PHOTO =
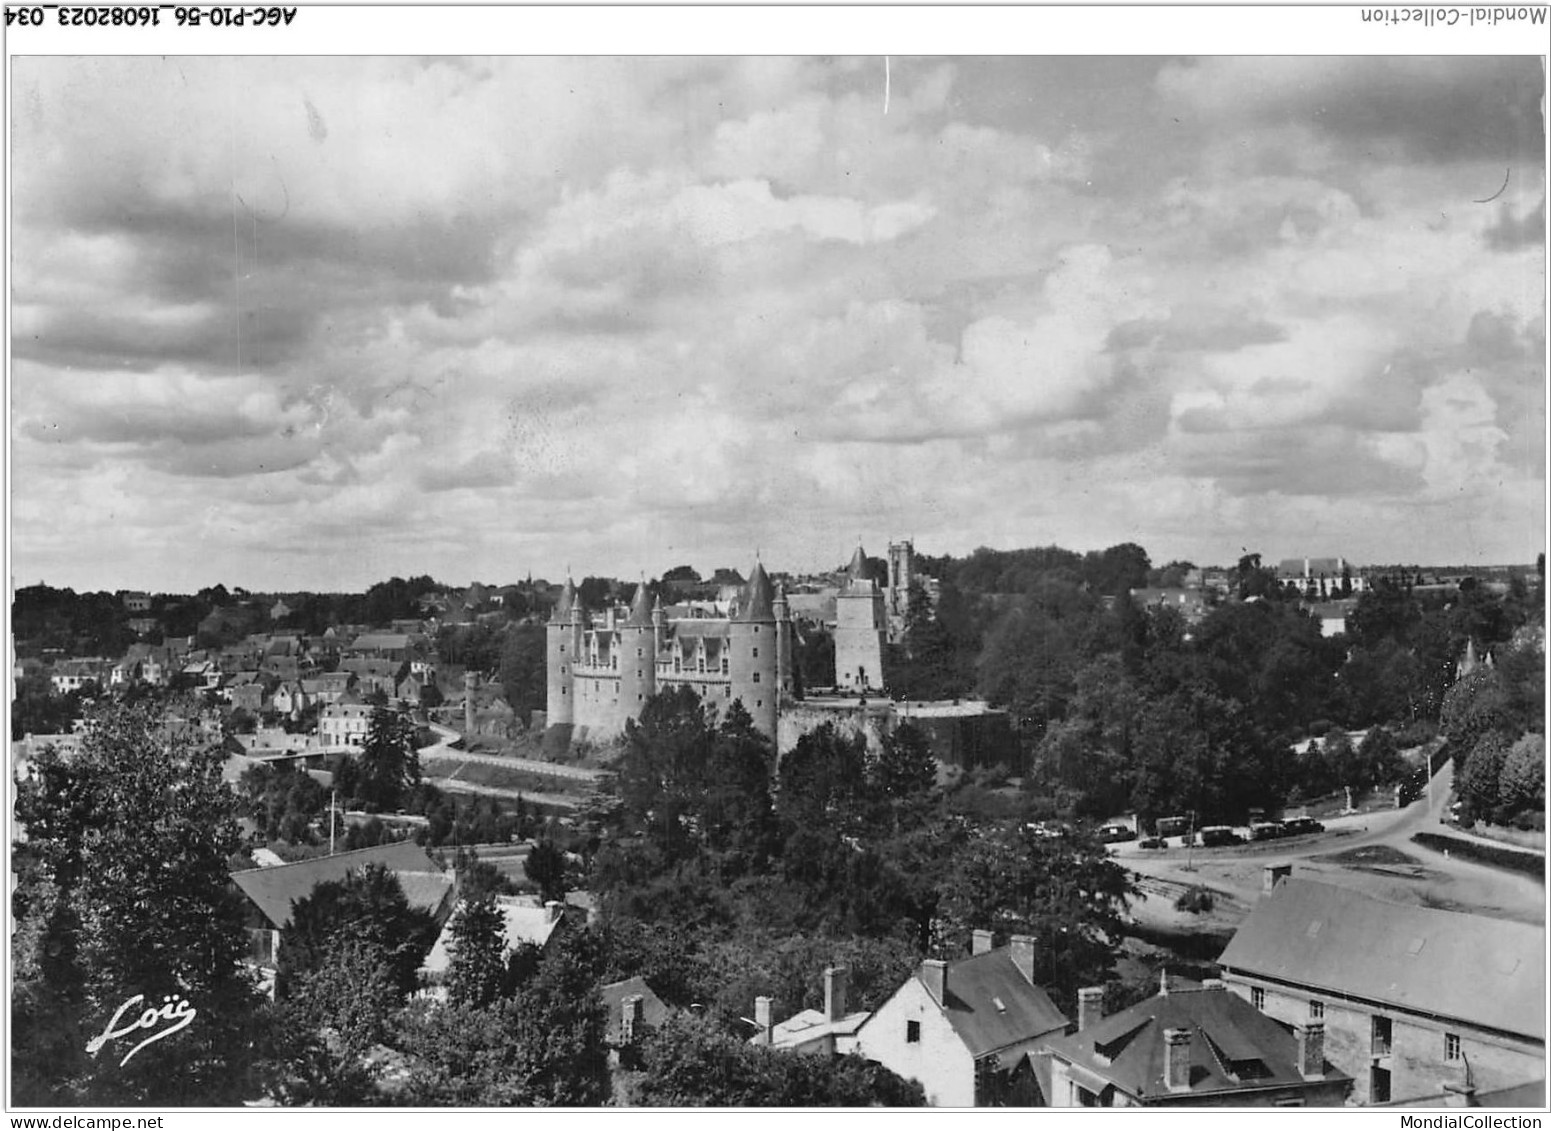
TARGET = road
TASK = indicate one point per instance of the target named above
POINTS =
(1431, 878)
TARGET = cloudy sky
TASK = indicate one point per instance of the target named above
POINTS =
(311, 322)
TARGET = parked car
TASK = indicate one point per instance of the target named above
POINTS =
(1265, 830)
(1111, 833)
(1152, 842)
(1214, 836)
(1300, 826)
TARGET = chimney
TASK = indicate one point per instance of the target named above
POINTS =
(554, 908)
(762, 1019)
(1311, 1049)
(1090, 1006)
(1021, 948)
(1273, 875)
(980, 942)
(934, 972)
(1176, 1059)
(834, 993)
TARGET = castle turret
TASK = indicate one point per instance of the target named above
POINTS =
(783, 621)
(754, 649)
(561, 638)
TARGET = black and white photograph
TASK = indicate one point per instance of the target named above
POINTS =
(706, 578)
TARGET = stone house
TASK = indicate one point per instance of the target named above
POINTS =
(1416, 1002)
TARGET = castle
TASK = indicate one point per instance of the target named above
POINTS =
(602, 670)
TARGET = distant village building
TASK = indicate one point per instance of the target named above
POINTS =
(137, 602)
(830, 1031)
(1320, 578)
(524, 923)
(344, 724)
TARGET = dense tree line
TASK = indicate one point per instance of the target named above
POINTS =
(718, 888)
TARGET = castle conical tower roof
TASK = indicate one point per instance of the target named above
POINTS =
(564, 605)
(641, 608)
(858, 567)
(757, 596)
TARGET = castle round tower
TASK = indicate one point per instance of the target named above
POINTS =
(637, 644)
(754, 647)
(560, 652)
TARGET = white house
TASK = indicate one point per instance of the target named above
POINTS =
(962, 1028)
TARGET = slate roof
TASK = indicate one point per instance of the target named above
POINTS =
(641, 608)
(274, 890)
(811, 1025)
(653, 1011)
(1233, 1046)
(756, 604)
(991, 1005)
(380, 641)
(567, 600)
(1484, 971)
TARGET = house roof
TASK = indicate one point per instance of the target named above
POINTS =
(380, 641)
(1233, 1046)
(810, 1025)
(1488, 972)
(525, 923)
(653, 1011)
(274, 890)
(991, 1005)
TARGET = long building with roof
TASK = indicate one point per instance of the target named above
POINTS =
(602, 667)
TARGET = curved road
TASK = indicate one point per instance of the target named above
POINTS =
(445, 750)
(1435, 879)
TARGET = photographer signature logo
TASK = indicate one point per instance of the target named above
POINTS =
(171, 1010)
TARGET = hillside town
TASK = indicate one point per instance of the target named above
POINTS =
(1023, 828)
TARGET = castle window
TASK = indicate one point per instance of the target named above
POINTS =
(1451, 1046)
(702, 665)
(912, 1032)
(562, 649)
(638, 673)
(677, 665)
(759, 703)
(640, 698)
(724, 665)
(756, 677)
(756, 653)
(727, 692)
(756, 630)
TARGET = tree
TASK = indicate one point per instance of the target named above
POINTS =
(690, 1063)
(905, 768)
(477, 970)
(123, 892)
(389, 764)
(351, 994)
(523, 669)
(366, 908)
(1521, 784)
(545, 866)
(544, 1047)
(1065, 891)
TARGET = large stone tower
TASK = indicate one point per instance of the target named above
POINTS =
(637, 656)
(901, 574)
(755, 638)
(860, 624)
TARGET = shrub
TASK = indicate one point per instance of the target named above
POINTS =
(1195, 901)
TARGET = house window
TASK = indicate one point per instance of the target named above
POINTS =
(912, 1032)
(1378, 1085)
(1451, 1046)
(1316, 1011)
(1383, 1031)
(1257, 997)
